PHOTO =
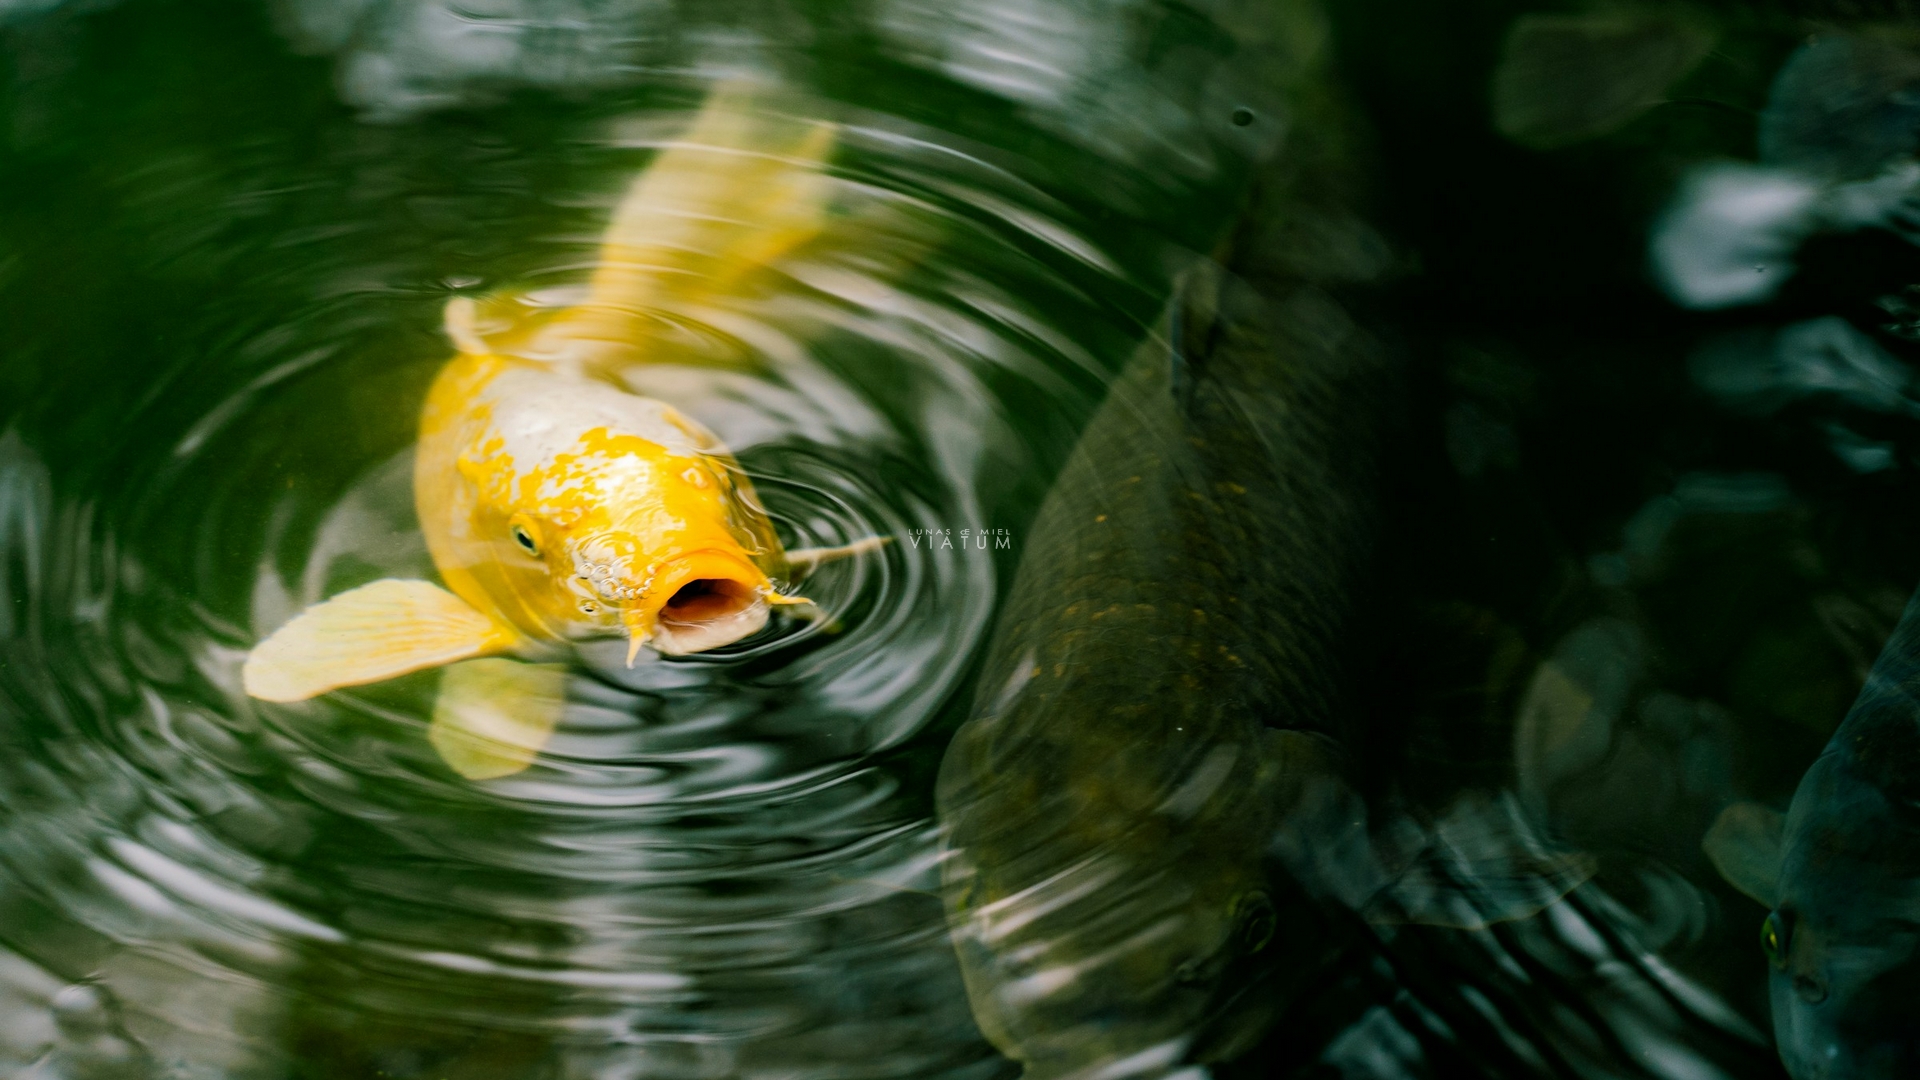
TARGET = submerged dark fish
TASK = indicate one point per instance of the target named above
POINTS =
(1109, 809)
(1151, 847)
(1165, 681)
(1841, 873)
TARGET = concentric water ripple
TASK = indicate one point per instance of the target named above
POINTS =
(722, 865)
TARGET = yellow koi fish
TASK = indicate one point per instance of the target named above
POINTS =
(559, 507)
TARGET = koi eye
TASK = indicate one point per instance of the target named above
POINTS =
(1773, 941)
(525, 539)
(588, 607)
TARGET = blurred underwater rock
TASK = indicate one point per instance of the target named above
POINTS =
(1760, 372)
(1564, 78)
(1837, 145)
(1826, 366)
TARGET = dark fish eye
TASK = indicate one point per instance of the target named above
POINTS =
(525, 539)
(1773, 940)
(1255, 921)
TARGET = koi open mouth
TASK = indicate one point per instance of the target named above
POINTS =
(710, 599)
(709, 612)
(705, 599)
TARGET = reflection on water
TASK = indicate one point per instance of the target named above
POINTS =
(1308, 727)
(702, 848)
(720, 865)
(1837, 155)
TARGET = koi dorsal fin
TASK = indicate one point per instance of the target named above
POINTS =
(738, 191)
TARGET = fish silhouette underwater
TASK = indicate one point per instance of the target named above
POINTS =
(557, 506)
(1148, 816)
(1840, 872)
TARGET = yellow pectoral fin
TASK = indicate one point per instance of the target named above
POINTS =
(493, 716)
(364, 635)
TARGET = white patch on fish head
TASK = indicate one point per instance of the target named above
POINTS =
(539, 416)
(580, 492)
(609, 567)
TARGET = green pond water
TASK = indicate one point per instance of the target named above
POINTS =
(227, 232)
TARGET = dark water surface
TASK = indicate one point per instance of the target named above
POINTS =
(228, 229)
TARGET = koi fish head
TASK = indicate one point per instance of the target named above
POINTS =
(576, 510)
